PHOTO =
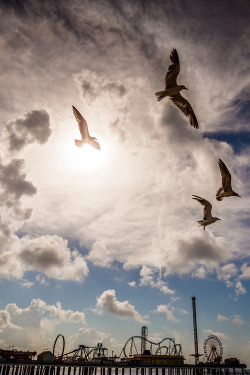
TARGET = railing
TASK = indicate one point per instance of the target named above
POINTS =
(83, 369)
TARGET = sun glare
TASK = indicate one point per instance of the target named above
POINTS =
(86, 158)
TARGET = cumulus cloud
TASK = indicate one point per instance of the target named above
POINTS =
(91, 337)
(5, 321)
(147, 278)
(51, 255)
(13, 180)
(61, 315)
(124, 310)
(29, 325)
(34, 126)
(38, 310)
(48, 255)
(169, 311)
(245, 269)
(132, 283)
(221, 318)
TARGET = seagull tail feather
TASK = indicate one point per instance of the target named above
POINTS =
(160, 95)
(78, 143)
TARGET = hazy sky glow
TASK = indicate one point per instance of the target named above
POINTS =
(95, 244)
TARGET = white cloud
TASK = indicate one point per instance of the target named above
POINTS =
(38, 310)
(239, 288)
(124, 310)
(227, 272)
(147, 278)
(132, 283)
(169, 311)
(238, 320)
(91, 337)
(27, 284)
(245, 269)
(135, 208)
(51, 255)
(184, 312)
(61, 315)
(32, 127)
(221, 318)
(34, 326)
(221, 335)
(5, 321)
(42, 280)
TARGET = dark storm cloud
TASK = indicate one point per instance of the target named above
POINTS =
(34, 126)
(13, 180)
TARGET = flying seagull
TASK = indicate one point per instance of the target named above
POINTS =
(172, 90)
(83, 127)
(226, 189)
(207, 214)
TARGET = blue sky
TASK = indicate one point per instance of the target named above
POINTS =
(96, 244)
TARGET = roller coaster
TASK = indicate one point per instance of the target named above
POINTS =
(167, 346)
(134, 345)
(82, 353)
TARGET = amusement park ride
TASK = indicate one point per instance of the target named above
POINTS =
(135, 348)
(82, 353)
(138, 351)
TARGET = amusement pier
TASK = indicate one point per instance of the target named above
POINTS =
(139, 356)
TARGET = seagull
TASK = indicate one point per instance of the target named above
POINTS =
(207, 214)
(172, 90)
(83, 127)
(226, 189)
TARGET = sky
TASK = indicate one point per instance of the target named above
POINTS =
(96, 244)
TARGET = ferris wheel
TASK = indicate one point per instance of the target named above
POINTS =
(213, 349)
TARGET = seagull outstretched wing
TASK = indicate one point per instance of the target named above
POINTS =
(83, 127)
(173, 70)
(186, 108)
(207, 210)
(226, 176)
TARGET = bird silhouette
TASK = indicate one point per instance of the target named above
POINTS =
(172, 90)
(83, 127)
(207, 212)
(226, 189)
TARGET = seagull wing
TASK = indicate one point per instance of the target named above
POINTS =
(173, 70)
(83, 127)
(226, 176)
(186, 108)
(207, 211)
(96, 145)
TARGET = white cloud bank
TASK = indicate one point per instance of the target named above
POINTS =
(35, 326)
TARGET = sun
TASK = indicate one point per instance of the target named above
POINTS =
(86, 158)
